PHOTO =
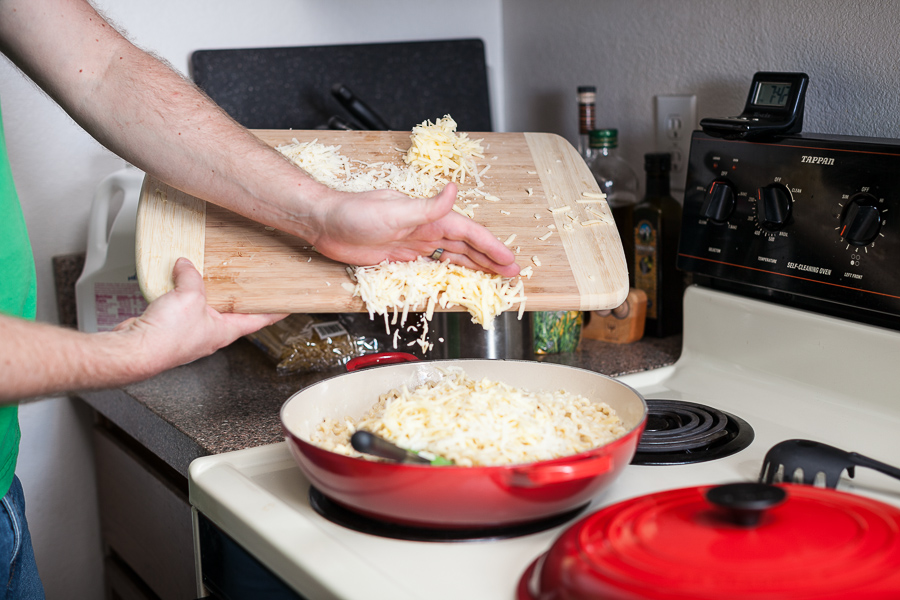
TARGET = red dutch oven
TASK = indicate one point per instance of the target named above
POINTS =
(451, 497)
(740, 541)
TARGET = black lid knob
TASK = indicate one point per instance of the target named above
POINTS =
(745, 503)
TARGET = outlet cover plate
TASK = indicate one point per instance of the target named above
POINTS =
(676, 119)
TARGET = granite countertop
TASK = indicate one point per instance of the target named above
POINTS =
(231, 400)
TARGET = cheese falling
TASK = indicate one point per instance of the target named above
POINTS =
(424, 285)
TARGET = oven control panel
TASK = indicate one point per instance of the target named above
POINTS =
(806, 216)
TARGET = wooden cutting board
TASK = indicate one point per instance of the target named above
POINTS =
(248, 267)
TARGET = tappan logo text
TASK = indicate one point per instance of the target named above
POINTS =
(817, 160)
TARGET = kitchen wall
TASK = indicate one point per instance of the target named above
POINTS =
(538, 52)
(633, 50)
(57, 167)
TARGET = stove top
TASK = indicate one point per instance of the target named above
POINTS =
(788, 374)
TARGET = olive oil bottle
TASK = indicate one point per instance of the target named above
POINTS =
(657, 225)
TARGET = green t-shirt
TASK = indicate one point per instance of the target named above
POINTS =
(18, 285)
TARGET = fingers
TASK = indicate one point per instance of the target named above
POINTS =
(462, 236)
(242, 324)
(479, 262)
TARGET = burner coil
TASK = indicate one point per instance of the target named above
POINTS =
(679, 432)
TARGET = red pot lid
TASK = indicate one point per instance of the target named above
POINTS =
(813, 543)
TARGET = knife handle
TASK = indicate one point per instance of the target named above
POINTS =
(359, 109)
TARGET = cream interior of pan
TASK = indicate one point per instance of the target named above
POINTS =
(352, 394)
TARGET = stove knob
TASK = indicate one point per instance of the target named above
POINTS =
(861, 220)
(773, 206)
(718, 204)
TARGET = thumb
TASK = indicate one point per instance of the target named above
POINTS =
(440, 204)
(187, 278)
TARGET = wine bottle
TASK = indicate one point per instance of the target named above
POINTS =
(657, 225)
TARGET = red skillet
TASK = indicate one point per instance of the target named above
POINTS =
(453, 497)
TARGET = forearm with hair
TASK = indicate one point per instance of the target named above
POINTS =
(146, 112)
(38, 359)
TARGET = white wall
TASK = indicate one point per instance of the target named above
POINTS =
(57, 166)
(636, 49)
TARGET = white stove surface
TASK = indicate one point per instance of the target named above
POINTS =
(789, 374)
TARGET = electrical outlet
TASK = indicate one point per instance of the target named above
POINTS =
(676, 118)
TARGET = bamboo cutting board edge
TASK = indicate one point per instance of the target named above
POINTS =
(170, 225)
(558, 163)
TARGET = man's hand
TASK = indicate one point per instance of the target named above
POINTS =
(365, 228)
(38, 359)
(180, 327)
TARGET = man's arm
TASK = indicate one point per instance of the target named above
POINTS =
(38, 359)
(148, 114)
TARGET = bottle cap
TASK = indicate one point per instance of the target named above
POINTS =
(658, 162)
(587, 88)
(603, 138)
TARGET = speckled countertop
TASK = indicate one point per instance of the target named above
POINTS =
(231, 400)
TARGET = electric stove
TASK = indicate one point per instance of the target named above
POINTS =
(791, 330)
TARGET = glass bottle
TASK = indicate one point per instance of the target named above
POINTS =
(587, 111)
(657, 225)
(620, 184)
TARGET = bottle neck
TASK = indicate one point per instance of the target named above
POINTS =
(657, 185)
(601, 151)
(586, 114)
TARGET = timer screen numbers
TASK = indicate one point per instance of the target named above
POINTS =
(772, 94)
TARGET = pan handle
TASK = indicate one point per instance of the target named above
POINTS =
(382, 358)
(537, 474)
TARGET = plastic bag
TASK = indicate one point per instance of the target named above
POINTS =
(303, 342)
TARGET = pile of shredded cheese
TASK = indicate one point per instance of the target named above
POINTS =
(437, 149)
(437, 154)
(479, 423)
(423, 284)
(328, 166)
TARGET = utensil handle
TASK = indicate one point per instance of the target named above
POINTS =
(381, 358)
(537, 475)
(865, 461)
(369, 443)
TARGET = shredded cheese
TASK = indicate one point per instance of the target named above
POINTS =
(479, 423)
(427, 284)
(437, 154)
(439, 151)
(328, 166)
